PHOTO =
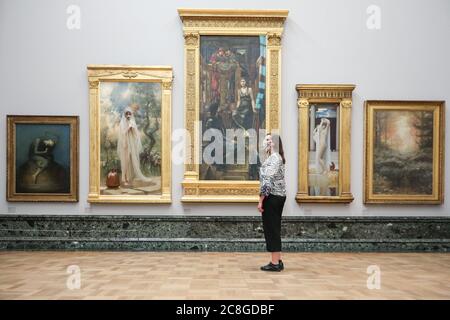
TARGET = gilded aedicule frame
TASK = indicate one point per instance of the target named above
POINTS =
(98, 74)
(433, 138)
(227, 22)
(316, 94)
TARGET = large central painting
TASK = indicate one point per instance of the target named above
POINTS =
(232, 97)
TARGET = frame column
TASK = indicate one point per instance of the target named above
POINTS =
(94, 152)
(303, 150)
(273, 81)
(191, 95)
(344, 152)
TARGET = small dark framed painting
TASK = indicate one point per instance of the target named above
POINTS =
(42, 158)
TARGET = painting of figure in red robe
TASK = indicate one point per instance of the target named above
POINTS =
(232, 105)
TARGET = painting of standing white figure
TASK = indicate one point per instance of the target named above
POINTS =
(323, 176)
(130, 137)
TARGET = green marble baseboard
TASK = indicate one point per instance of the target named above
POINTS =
(184, 233)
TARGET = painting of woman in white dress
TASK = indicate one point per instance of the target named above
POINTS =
(324, 150)
(130, 138)
(129, 149)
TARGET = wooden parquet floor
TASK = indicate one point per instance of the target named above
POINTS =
(202, 275)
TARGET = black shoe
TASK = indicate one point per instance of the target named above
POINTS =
(272, 267)
(280, 263)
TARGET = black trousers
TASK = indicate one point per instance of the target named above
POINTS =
(271, 216)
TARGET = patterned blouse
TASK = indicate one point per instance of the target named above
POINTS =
(272, 176)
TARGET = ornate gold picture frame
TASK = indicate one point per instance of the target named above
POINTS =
(42, 158)
(324, 123)
(130, 134)
(404, 152)
(219, 47)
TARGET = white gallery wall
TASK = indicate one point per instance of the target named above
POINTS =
(43, 72)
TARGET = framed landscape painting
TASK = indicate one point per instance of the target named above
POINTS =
(42, 158)
(232, 97)
(404, 152)
(130, 134)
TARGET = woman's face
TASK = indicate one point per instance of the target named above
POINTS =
(243, 83)
(268, 143)
(128, 115)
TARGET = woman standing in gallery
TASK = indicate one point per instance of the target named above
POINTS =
(272, 199)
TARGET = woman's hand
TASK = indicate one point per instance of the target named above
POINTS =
(260, 204)
(260, 207)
